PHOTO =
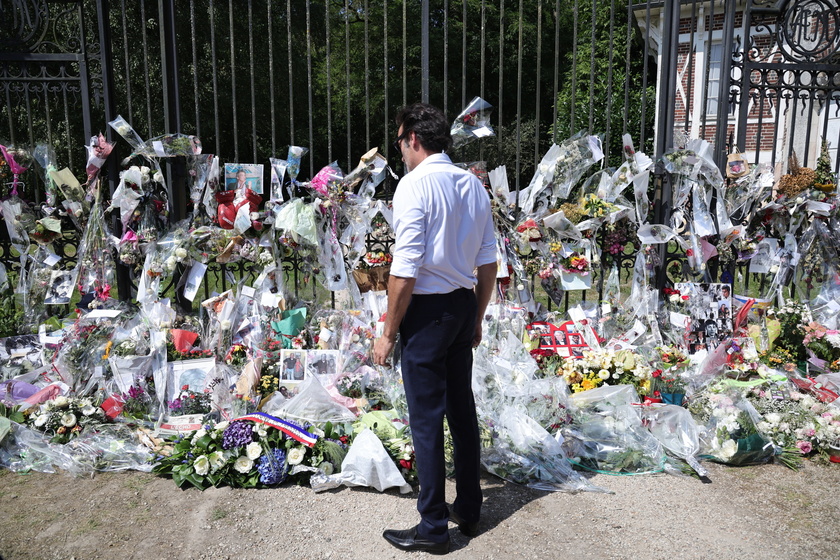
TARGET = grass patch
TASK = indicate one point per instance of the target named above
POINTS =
(217, 514)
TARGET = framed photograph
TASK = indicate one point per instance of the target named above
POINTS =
(19, 354)
(292, 366)
(322, 362)
(241, 175)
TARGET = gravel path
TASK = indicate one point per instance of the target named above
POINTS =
(764, 512)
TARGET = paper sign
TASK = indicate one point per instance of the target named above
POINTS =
(103, 314)
(194, 278)
(248, 291)
(52, 259)
(159, 149)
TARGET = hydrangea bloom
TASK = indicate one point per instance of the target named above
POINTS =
(272, 467)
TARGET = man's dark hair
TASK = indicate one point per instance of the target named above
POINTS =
(428, 123)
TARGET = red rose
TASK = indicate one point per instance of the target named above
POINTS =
(405, 464)
(656, 373)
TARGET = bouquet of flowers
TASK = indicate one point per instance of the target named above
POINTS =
(64, 418)
(257, 450)
(731, 435)
(575, 263)
(607, 367)
(472, 123)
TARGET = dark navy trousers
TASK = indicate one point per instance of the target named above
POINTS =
(436, 342)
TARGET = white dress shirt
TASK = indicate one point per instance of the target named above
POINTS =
(443, 227)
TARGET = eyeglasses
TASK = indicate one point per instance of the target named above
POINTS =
(399, 140)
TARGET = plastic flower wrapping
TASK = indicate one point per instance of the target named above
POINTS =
(244, 358)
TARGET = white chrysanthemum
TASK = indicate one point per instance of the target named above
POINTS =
(217, 459)
(296, 455)
(41, 420)
(243, 464)
(60, 401)
(68, 419)
(202, 465)
(253, 450)
(88, 410)
(326, 467)
(603, 374)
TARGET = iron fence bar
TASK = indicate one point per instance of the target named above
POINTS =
(609, 101)
(84, 75)
(500, 132)
(309, 80)
(574, 69)
(627, 67)
(253, 88)
(708, 66)
(7, 90)
(645, 73)
(291, 82)
(195, 70)
(28, 104)
(233, 103)
(808, 128)
(463, 53)
(668, 73)
(127, 66)
(826, 105)
(404, 61)
(271, 104)
(689, 90)
(367, 79)
(215, 76)
(328, 55)
(483, 65)
(347, 69)
(66, 124)
(446, 57)
(723, 90)
(386, 109)
(146, 68)
(424, 51)
(557, 69)
(169, 67)
(519, 102)
(592, 69)
(538, 88)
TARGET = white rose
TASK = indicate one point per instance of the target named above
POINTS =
(202, 465)
(243, 464)
(326, 467)
(88, 410)
(253, 450)
(198, 435)
(158, 177)
(296, 455)
(180, 253)
(170, 264)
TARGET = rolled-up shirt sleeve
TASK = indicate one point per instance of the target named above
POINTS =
(487, 254)
(410, 234)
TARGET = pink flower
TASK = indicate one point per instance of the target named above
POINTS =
(804, 446)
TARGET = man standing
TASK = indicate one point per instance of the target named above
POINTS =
(442, 277)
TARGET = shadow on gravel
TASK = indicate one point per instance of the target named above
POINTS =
(502, 499)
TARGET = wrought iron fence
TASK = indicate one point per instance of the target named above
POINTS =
(250, 77)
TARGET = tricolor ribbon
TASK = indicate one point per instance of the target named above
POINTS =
(292, 430)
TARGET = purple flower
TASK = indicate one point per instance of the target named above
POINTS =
(237, 434)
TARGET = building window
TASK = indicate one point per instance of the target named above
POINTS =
(715, 64)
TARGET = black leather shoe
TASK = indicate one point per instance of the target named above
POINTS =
(467, 529)
(408, 540)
